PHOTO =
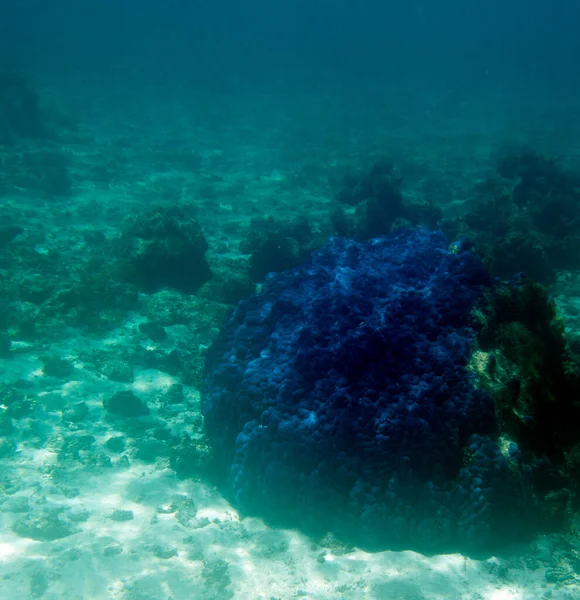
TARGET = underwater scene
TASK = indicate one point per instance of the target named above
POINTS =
(289, 300)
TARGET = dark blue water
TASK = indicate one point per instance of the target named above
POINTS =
(507, 40)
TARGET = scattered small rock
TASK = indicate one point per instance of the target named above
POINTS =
(185, 510)
(149, 450)
(154, 331)
(122, 515)
(125, 404)
(561, 573)
(54, 366)
(81, 516)
(116, 444)
(76, 413)
(117, 370)
(45, 526)
(164, 552)
(217, 578)
(174, 395)
(107, 546)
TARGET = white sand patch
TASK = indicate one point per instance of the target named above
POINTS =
(137, 532)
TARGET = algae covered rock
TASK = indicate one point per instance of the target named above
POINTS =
(125, 404)
(525, 216)
(165, 247)
(44, 525)
(380, 391)
(275, 245)
(379, 203)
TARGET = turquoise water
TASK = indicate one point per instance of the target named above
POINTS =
(203, 133)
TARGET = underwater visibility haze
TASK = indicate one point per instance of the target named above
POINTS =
(289, 300)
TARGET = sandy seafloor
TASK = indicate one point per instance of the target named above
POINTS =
(134, 531)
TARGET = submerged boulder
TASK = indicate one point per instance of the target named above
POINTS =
(380, 206)
(525, 216)
(165, 248)
(382, 391)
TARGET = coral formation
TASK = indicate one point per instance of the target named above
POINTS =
(165, 247)
(524, 217)
(275, 245)
(392, 392)
(380, 204)
(125, 404)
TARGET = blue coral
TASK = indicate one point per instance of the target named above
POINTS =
(340, 398)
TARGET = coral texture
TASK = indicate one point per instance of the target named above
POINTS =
(344, 397)
(165, 247)
(524, 217)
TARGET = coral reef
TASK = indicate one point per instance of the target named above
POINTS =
(125, 404)
(524, 217)
(46, 291)
(275, 245)
(392, 392)
(165, 247)
(380, 204)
